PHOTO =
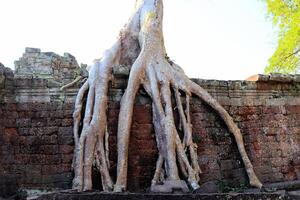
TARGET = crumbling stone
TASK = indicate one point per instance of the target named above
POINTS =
(275, 77)
(48, 65)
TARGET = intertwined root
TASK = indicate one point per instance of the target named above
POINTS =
(166, 132)
(141, 46)
(91, 146)
(162, 81)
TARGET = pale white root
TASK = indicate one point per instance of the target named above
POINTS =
(141, 46)
(92, 142)
(71, 84)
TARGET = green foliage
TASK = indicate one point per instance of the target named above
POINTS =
(285, 14)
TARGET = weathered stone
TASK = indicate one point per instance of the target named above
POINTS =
(281, 78)
(21, 122)
(121, 71)
(32, 50)
(48, 65)
(170, 187)
(208, 187)
(36, 127)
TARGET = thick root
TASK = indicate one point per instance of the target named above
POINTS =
(141, 45)
(76, 80)
(93, 140)
(203, 95)
(161, 75)
(125, 120)
(78, 111)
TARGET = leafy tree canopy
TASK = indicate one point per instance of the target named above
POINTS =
(285, 14)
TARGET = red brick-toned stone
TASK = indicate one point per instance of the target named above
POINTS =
(66, 149)
(55, 169)
(10, 135)
(67, 158)
(292, 109)
(67, 122)
(37, 138)
(49, 149)
(142, 114)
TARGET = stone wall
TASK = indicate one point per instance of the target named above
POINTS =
(37, 143)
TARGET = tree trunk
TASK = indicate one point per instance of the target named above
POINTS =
(141, 47)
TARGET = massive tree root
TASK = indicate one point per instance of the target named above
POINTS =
(141, 46)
